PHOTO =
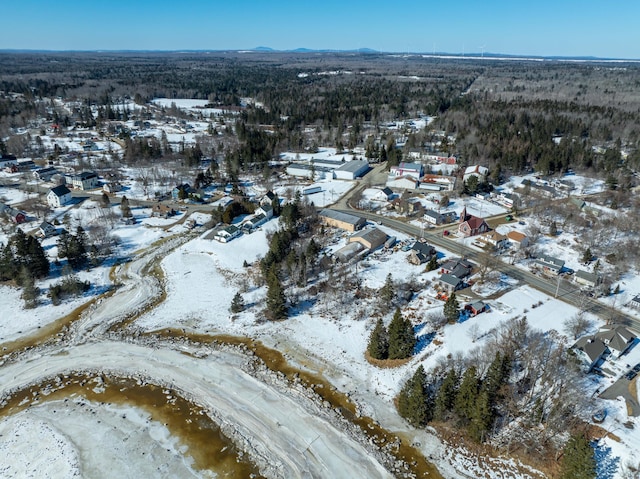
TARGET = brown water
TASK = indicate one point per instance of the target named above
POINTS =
(209, 448)
(274, 360)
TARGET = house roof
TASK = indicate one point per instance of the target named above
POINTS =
(592, 277)
(424, 248)
(433, 214)
(410, 166)
(478, 305)
(353, 166)
(60, 191)
(450, 279)
(387, 191)
(516, 236)
(494, 236)
(550, 261)
(373, 236)
(592, 347)
(343, 217)
(615, 336)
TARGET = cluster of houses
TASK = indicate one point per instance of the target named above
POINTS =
(261, 215)
(611, 341)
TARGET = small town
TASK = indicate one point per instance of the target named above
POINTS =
(303, 264)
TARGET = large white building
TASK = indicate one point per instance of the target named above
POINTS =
(351, 170)
(58, 196)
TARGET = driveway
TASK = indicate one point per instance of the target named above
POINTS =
(622, 388)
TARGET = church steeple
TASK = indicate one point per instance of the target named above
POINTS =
(463, 215)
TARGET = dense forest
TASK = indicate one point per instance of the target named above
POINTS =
(523, 116)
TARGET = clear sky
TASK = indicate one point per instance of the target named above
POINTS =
(562, 27)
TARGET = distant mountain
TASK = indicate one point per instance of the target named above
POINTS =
(311, 50)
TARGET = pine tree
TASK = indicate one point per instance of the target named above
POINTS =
(467, 393)
(237, 304)
(482, 417)
(402, 341)
(446, 396)
(432, 265)
(125, 208)
(579, 460)
(414, 401)
(496, 376)
(378, 346)
(29, 290)
(276, 301)
(105, 201)
(587, 256)
(452, 309)
(387, 293)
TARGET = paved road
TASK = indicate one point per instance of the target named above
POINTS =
(560, 288)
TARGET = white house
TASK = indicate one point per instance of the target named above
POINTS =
(87, 180)
(227, 234)
(519, 240)
(266, 210)
(476, 170)
(58, 196)
(414, 170)
(402, 182)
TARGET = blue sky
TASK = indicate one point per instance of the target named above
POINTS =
(543, 27)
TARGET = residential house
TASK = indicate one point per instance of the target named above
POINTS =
(635, 302)
(268, 198)
(611, 340)
(87, 180)
(181, 192)
(550, 264)
(46, 229)
(407, 182)
(433, 217)
(58, 196)
(26, 165)
(471, 225)
(450, 283)
(162, 211)
(519, 240)
(255, 222)
(437, 182)
(45, 174)
(421, 253)
(617, 338)
(371, 238)
(15, 215)
(112, 187)
(476, 170)
(7, 161)
(592, 351)
(457, 267)
(341, 220)
(587, 279)
(266, 210)
(414, 170)
(227, 234)
(476, 308)
(385, 194)
(495, 239)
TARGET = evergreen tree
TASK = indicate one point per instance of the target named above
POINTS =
(275, 204)
(77, 252)
(482, 417)
(414, 401)
(387, 293)
(276, 302)
(402, 341)
(496, 376)
(446, 396)
(378, 346)
(467, 393)
(105, 201)
(452, 309)
(237, 304)
(587, 256)
(553, 229)
(36, 259)
(432, 265)
(125, 208)
(579, 460)
(7, 263)
(29, 290)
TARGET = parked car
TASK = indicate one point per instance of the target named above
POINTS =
(445, 233)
